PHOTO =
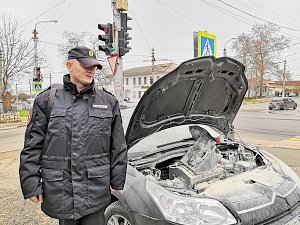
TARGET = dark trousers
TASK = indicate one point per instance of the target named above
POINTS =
(96, 218)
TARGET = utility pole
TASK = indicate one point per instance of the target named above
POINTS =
(1, 82)
(224, 50)
(153, 59)
(50, 77)
(1, 71)
(284, 75)
(35, 41)
(30, 87)
(118, 79)
(283, 79)
(116, 41)
(17, 91)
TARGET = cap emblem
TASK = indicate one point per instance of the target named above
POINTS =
(91, 53)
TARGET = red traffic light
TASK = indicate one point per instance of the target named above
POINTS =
(38, 71)
(104, 27)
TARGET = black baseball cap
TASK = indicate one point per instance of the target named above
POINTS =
(85, 56)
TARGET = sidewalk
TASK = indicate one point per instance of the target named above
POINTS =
(5, 126)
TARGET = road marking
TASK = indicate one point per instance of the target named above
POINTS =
(294, 139)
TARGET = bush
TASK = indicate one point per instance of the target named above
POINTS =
(23, 113)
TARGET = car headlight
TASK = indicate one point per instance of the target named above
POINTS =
(189, 210)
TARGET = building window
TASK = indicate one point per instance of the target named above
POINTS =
(140, 94)
(140, 81)
(145, 80)
(127, 81)
(134, 81)
(151, 80)
(134, 94)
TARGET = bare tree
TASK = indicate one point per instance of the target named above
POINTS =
(90, 40)
(260, 50)
(17, 54)
(243, 47)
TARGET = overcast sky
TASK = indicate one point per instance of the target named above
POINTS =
(165, 25)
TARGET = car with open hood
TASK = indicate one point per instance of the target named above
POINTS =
(185, 168)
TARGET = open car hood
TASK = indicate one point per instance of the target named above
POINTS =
(205, 90)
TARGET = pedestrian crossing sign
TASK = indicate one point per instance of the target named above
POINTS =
(37, 87)
(206, 44)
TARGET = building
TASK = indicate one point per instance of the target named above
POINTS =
(137, 80)
(292, 87)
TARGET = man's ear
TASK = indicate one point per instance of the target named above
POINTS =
(69, 65)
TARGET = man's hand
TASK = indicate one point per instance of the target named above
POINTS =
(111, 189)
(37, 198)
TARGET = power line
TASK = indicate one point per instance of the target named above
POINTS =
(43, 13)
(139, 28)
(275, 12)
(256, 17)
(169, 12)
(227, 13)
(191, 19)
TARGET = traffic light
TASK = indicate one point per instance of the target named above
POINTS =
(123, 35)
(107, 38)
(38, 75)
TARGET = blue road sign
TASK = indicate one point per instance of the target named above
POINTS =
(37, 87)
(206, 44)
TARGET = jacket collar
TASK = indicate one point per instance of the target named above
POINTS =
(71, 87)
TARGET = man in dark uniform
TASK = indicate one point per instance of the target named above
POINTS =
(76, 154)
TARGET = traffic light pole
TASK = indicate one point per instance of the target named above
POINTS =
(118, 79)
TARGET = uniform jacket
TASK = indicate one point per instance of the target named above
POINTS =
(74, 156)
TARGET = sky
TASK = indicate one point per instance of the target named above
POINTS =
(165, 25)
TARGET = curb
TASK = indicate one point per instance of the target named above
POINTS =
(11, 127)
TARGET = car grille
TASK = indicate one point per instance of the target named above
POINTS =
(280, 212)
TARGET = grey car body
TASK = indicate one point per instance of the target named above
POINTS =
(282, 103)
(203, 176)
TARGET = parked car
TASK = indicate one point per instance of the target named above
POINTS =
(184, 169)
(282, 103)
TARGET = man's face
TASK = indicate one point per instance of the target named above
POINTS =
(80, 75)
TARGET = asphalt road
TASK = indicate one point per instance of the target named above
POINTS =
(12, 139)
(257, 124)
(254, 123)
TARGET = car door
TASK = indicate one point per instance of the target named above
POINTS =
(289, 103)
(286, 103)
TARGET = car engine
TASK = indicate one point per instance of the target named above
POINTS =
(204, 162)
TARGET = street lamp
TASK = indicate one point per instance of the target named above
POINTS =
(35, 38)
(284, 75)
(224, 51)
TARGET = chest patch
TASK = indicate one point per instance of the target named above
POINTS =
(100, 106)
